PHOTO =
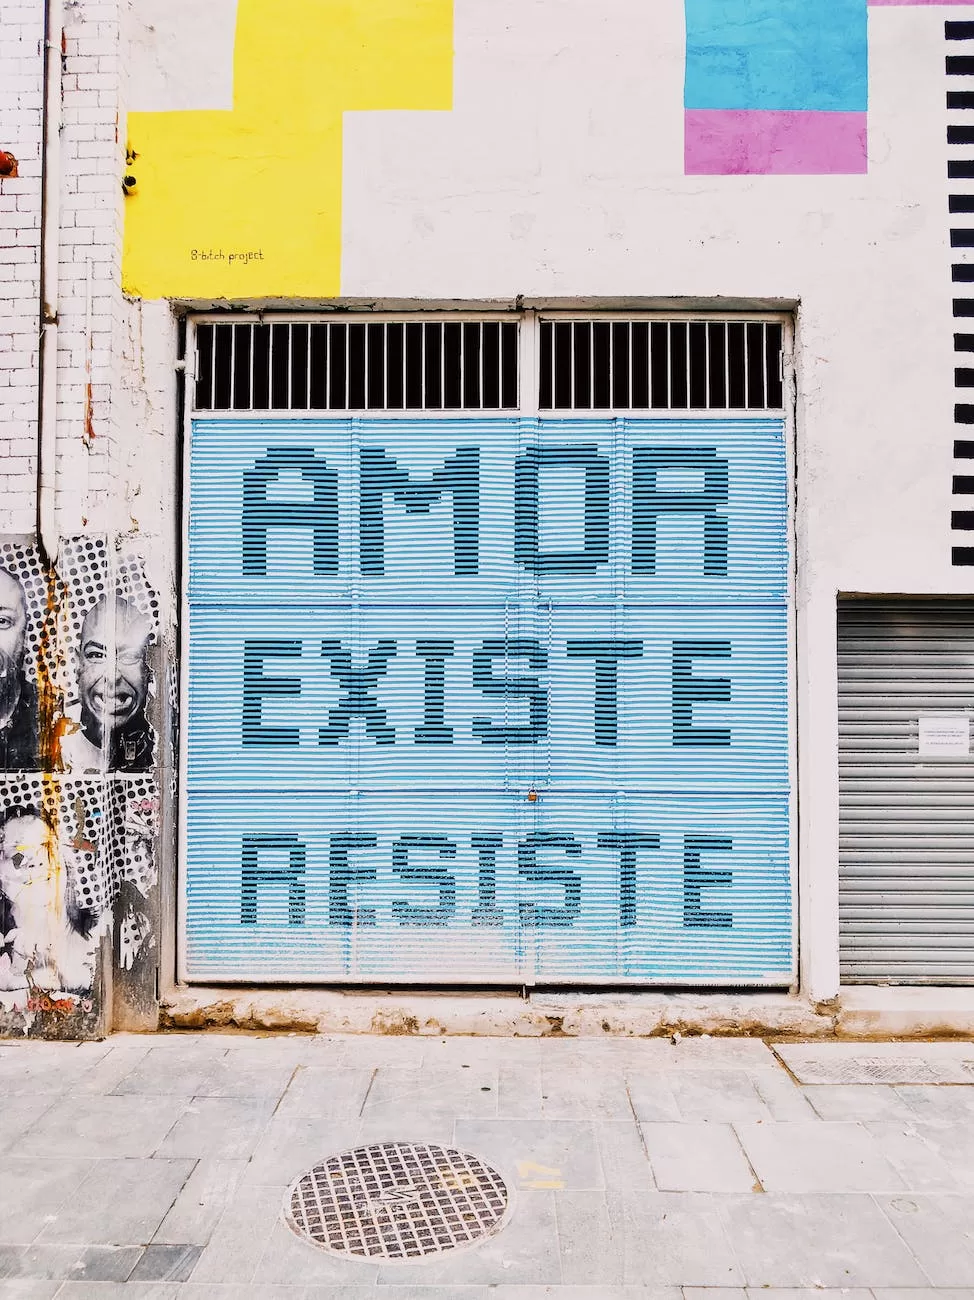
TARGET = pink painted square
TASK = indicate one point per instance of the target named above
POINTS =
(758, 142)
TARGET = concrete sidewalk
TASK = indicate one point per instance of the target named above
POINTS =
(704, 1170)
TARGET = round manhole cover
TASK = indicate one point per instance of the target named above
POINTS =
(397, 1201)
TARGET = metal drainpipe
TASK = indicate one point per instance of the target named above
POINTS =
(50, 228)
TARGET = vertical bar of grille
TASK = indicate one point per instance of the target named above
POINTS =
(509, 366)
(241, 365)
(747, 367)
(755, 366)
(405, 369)
(223, 368)
(629, 402)
(299, 367)
(375, 366)
(366, 369)
(395, 361)
(213, 370)
(270, 366)
(716, 365)
(686, 336)
(706, 365)
(573, 383)
(471, 354)
(204, 365)
(317, 367)
(328, 331)
(775, 386)
(593, 330)
(679, 366)
(441, 339)
(547, 347)
(697, 381)
(233, 365)
(250, 368)
(288, 392)
(422, 397)
(736, 366)
(641, 368)
(463, 349)
(451, 365)
(601, 365)
(348, 366)
(582, 363)
(307, 366)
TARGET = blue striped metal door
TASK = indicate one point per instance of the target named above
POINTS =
(488, 701)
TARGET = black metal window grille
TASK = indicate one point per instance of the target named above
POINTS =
(357, 366)
(600, 365)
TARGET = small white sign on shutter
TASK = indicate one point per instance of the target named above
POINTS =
(945, 735)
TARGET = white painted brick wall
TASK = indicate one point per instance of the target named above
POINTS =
(21, 76)
(90, 307)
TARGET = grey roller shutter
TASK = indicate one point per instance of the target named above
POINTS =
(906, 855)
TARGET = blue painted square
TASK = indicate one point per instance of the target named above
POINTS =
(786, 55)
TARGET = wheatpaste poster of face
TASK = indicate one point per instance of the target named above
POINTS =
(78, 807)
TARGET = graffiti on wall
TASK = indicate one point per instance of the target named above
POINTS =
(778, 86)
(246, 201)
(236, 146)
(491, 698)
(78, 800)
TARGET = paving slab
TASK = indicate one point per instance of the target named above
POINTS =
(200, 1202)
(719, 1095)
(837, 1101)
(697, 1158)
(102, 1126)
(673, 1238)
(622, 1149)
(783, 1097)
(228, 1128)
(320, 1090)
(165, 1264)
(289, 1146)
(88, 1263)
(939, 1230)
(111, 1069)
(940, 1105)
(18, 1114)
(536, 1155)
(32, 1191)
(583, 1094)
(820, 1156)
(928, 1157)
(237, 1243)
(817, 1241)
(54, 1071)
(119, 1203)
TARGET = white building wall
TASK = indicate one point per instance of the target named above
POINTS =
(21, 93)
(89, 299)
